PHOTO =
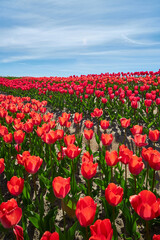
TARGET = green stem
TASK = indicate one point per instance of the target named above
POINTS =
(113, 215)
(64, 220)
(86, 233)
(139, 152)
(147, 231)
(89, 188)
(35, 187)
(111, 174)
(135, 184)
(126, 174)
(154, 145)
(147, 175)
(153, 180)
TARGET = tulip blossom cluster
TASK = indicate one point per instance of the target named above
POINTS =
(56, 151)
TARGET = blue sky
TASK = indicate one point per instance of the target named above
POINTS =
(71, 37)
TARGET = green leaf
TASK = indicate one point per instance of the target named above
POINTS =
(61, 235)
(100, 183)
(35, 220)
(97, 139)
(71, 231)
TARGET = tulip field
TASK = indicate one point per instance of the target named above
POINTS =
(80, 157)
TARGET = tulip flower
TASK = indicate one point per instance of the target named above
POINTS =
(50, 236)
(77, 118)
(10, 213)
(8, 138)
(61, 186)
(59, 133)
(72, 151)
(97, 113)
(146, 205)
(136, 129)
(125, 122)
(18, 231)
(154, 160)
(106, 139)
(104, 124)
(32, 164)
(102, 230)
(88, 124)
(111, 158)
(88, 134)
(139, 140)
(69, 139)
(136, 165)
(113, 194)
(88, 169)
(156, 237)
(19, 136)
(154, 135)
(15, 185)
(50, 137)
(85, 211)
(125, 154)
(87, 157)
(22, 158)
(1, 165)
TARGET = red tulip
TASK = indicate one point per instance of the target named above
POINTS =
(136, 165)
(147, 102)
(50, 137)
(154, 135)
(15, 185)
(3, 131)
(19, 136)
(59, 133)
(32, 164)
(104, 124)
(113, 194)
(111, 158)
(61, 186)
(134, 104)
(136, 129)
(88, 134)
(87, 157)
(106, 139)
(9, 119)
(69, 139)
(85, 211)
(88, 169)
(28, 127)
(22, 158)
(77, 118)
(154, 160)
(8, 138)
(146, 153)
(140, 140)
(10, 213)
(1, 165)
(88, 124)
(156, 237)
(125, 122)
(125, 154)
(50, 236)
(62, 121)
(66, 115)
(97, 113)
(102, 230)
(18, 231)
(72, 151)
(146, 205)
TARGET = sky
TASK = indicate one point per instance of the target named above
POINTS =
(71, 37)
